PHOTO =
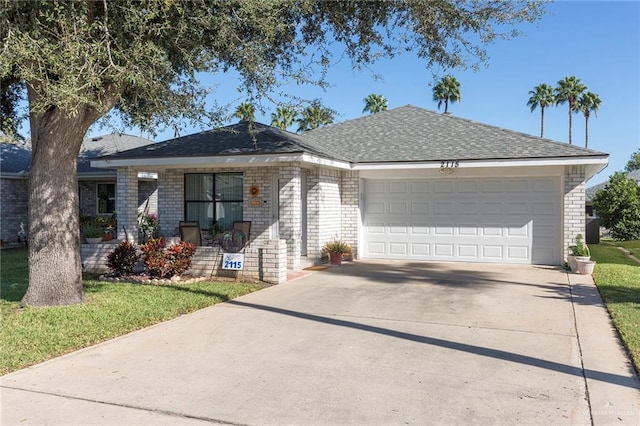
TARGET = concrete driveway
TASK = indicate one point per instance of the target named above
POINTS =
(365, 343)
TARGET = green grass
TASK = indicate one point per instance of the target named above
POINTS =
(632, 246)
(618, 280)
(31, 335)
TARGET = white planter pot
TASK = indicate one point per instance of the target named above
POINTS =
(577, 259)
(94, 240)
(586, 267)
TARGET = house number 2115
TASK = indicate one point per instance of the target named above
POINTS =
(448, 164)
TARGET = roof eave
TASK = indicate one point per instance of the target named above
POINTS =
(505, 162)
(243, 160)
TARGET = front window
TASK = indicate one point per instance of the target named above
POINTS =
(106, 198)
(213, 199)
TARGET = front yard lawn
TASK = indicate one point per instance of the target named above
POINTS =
(618, 280)
(31, 335)
(632, 246)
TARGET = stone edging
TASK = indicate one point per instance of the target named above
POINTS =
(145, 279)
(628, 254)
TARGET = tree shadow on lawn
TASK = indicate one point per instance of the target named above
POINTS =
(14, 277)
(95, 286)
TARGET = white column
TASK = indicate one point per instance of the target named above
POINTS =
(127, 204)
(290, 210)
(573, 206)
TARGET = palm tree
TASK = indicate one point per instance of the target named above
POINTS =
(375, 103)
(245, 112)
(588, 102)
(569, 90)
(283, 117)
(542, 96)
(314, 116)
(447, 90)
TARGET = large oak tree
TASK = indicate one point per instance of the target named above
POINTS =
(80, 60)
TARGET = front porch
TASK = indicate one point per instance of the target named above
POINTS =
(294, 209)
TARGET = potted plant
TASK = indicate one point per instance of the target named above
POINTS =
(347, 256)
(336, 248)
(586, 267)
(92, 233)
(579, 252)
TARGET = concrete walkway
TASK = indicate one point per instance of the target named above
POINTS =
(364, 343)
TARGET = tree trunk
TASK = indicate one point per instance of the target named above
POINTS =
(586, 131)
(55, 274)
(570, 122)
(541, 121)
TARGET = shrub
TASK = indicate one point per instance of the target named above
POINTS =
(92, 231)
(618, 206)
(164, 262)
(154, 261)
(179, 256)
(123, 259)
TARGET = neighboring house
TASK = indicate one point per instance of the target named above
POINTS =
(97, 187)
(407, 183)
(590, 192)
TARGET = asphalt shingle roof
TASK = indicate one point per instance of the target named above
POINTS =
(243, 138)
(15, 158)
(410, 133)
(105, 145)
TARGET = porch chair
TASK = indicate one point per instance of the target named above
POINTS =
(190, 232)
(245, 227)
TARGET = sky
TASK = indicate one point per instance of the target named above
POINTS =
(598, 42)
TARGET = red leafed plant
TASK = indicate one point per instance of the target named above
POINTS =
(164, 262)
(123, 259)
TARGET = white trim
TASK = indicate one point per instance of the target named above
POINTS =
(563, 161)
(261, 159)
(237, 161)
(307, 158)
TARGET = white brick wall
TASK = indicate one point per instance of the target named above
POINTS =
(330, 209)
(258, 209)
(290, 223)
(170, 201)
(314, 246)
(573, 205)
(127, 202)
(350, 208)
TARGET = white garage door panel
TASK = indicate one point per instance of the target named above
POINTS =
(491, 220)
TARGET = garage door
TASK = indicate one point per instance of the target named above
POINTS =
(489, 220)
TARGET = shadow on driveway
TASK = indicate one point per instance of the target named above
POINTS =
(477, 350)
